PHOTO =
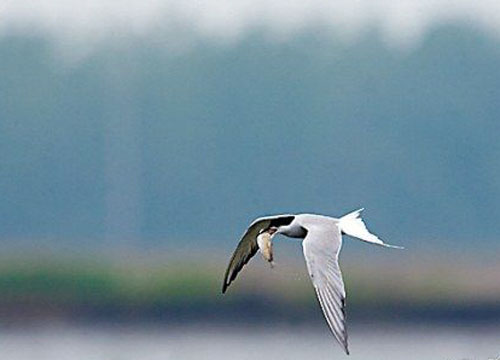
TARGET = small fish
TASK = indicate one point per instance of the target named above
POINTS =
(264, 240)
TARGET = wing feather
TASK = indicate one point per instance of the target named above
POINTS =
(246, 249)
(321, 248)
(248, 246)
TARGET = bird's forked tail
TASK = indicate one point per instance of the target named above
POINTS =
(352, 225)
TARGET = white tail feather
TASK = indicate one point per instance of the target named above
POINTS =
(352, 225)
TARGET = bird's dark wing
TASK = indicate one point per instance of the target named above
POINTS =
(246, 248)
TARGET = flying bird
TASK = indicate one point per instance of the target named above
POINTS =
(321, 242)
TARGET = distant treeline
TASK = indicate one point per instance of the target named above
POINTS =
(85, 290)
(135, 142)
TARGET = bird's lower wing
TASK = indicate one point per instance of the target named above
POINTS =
(246, 249)
(321, 247)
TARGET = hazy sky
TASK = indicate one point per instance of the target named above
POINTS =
(408, 135)
(402, 22)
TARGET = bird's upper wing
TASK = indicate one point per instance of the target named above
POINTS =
(247, 247)
(321, 248)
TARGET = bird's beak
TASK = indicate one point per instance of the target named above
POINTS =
(272, 230)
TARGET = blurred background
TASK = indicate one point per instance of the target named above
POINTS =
(139, 139)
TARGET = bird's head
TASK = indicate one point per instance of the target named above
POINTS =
(281, 225)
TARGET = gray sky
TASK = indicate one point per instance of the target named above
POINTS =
(408, 135)
(402, 23)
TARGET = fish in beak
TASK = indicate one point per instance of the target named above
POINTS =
(264, 240)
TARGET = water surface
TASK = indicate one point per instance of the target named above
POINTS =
(423, 342)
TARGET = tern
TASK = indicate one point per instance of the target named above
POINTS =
(321, 242)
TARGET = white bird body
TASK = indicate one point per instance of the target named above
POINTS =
(322, 241)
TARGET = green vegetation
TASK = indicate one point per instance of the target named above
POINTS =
(137, 289)
(65, 282)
